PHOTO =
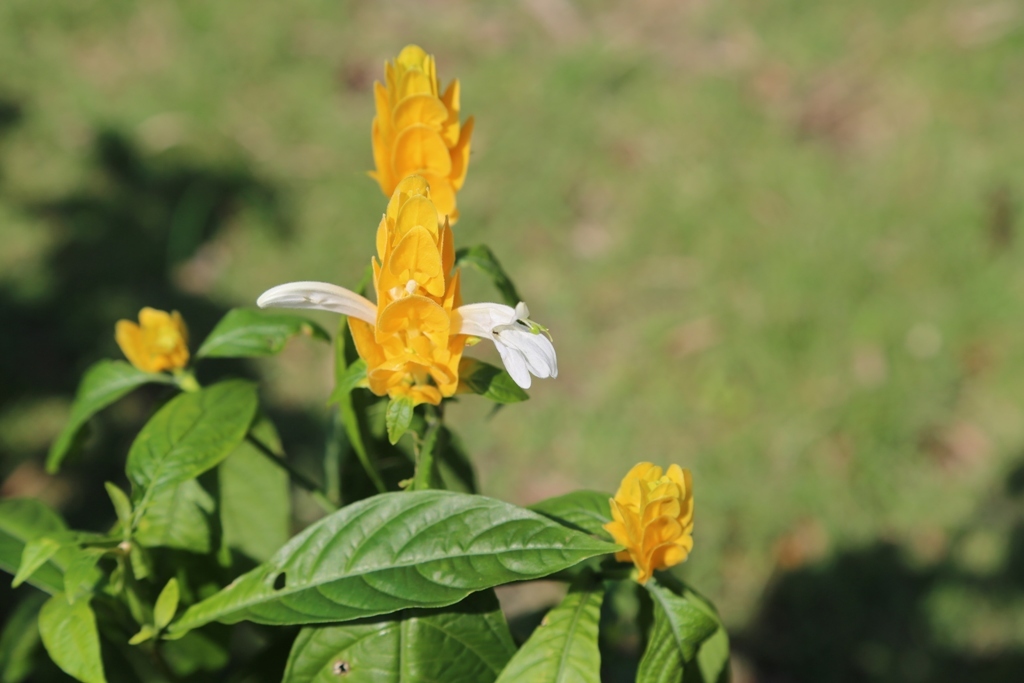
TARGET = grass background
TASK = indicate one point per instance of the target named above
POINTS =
(775, 242)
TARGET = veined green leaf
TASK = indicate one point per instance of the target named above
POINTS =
(398, 418)
(246, 333)
(563, 649)
(189, 435)
(82, 575)
(468, 641)
(19, 639)
(679, 628)
(71, 638)
(395, 551)
(21, 521)
(713, 658)
(483, 259)
(254, 501)
(176, 517)
(490, 382)
(584, 510)
(103, 383)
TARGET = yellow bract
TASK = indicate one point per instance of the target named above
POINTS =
(159, 342)
(416, 130)
(653, 515)
(411, 352)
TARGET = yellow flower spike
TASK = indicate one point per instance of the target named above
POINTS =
(652, 516)
(417, 132)
(157, 343)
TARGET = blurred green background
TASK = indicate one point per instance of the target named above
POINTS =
(776, 243)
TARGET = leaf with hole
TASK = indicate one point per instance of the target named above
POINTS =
(102, 384)
(192, 433)
(395, 551)
(584, 510)
(469, 641)
(247, 333)
(563, 649)
(490, 382)
(71, 638)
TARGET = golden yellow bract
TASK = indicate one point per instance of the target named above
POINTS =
(410, 352)
(417, 131)
(159, 342)
(653, 518)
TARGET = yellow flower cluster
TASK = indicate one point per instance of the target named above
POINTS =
(416, 130)
(159, 342)
(653, 518)
(411, 351)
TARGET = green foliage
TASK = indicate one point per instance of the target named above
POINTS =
(103, 383)
(19, 639)
(468, 641)
(71, 638)
(584, 510)
(426, 549)
(245, 333)
(398, 418)
(680, 627)
(490, 382)
(191, 434)
(483, 259)
(563, 649)
(23, 520)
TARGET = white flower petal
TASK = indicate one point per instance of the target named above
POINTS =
(321, 296)
(516, 365)
(536, 349)
(479, 320)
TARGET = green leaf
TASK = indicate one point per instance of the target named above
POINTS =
(82, 575)
(197, 652)
(563, 648)
(490, 382)
(713, 658)
(19, 639)
(103, 383)
(348, 379)
(122, 506)
(36, 553)
(469, 641)
(176, 517)
(191, 434)
(70, 637)
(585, 511)
(679, 628)
(398, 418)
(255, 506)
(22, 520)
(146, 632)
(246, 333)
(396, 551)
(483, 259)
(166, 605)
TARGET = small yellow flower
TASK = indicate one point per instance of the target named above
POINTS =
(653, 518)
(416, 130)
(159, 342)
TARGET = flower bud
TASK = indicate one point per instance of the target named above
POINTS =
(653, 518)
(159, 342)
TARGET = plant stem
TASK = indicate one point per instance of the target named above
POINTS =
(299, 478)
(332, 459)
(427, 475)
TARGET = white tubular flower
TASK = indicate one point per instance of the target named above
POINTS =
(524, 345)
(320, 296)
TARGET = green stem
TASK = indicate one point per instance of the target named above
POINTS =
(299, 478)
(428, 475)
(332, 459)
